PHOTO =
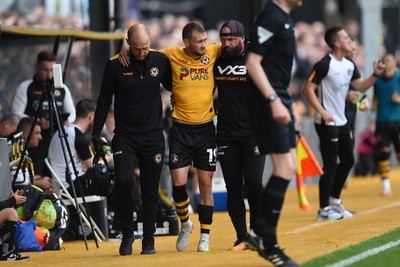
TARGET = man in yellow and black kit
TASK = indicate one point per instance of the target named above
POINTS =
(192, 136)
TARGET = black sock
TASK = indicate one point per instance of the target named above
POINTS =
(205, 218)
(182, 201)
(7, 237)
(273, 198)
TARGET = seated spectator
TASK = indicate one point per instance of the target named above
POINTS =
(8, 124)
(79, 144)
(8, 226)
(26, 175)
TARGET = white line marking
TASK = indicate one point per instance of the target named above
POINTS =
(364, 255)
(315, 225)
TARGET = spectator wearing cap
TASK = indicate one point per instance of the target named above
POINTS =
(241, 162)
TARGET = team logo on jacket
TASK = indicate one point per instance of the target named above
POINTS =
(174, 158)
(157, 158)
(57, 93)
(256, 151)
(154, 72)
(205, 60)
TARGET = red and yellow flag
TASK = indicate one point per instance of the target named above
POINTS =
(307, 165)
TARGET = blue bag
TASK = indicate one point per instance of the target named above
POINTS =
(25, 238)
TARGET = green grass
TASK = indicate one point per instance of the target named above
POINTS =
(388, 255)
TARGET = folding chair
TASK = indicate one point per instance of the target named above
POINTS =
(66, 197)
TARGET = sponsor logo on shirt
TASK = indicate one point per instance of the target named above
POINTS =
(337, 87)
(235, 70)
(127, 73)
(194, 74)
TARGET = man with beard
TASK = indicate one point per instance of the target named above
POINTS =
(238, 152)
(192, 136)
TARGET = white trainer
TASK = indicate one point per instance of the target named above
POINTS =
(328, 214)
(339, 208)
(203, 243)
(183, 238)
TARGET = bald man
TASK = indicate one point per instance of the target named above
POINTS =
(138, 130)
(8, 124)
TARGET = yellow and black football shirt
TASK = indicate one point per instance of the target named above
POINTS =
(193, 83)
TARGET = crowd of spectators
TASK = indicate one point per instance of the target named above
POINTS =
(17, 61)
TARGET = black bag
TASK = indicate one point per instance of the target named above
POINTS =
(98, 180)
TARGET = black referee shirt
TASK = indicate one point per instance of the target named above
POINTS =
(136, 89)
(273, 38)
(231, 80)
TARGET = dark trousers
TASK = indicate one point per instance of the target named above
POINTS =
(242, 165)
(336, 147)
(148, 151)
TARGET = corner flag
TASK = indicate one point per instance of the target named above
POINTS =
(307, 165)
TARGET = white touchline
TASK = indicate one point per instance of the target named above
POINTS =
(364, 255)
(315, 225)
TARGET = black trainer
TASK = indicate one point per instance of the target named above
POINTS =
(126, 245)
(14, 256)
(277, 257)
(148, 250)
(275, 254)
(254, 241)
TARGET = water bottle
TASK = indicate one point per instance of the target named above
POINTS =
(106, 149)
